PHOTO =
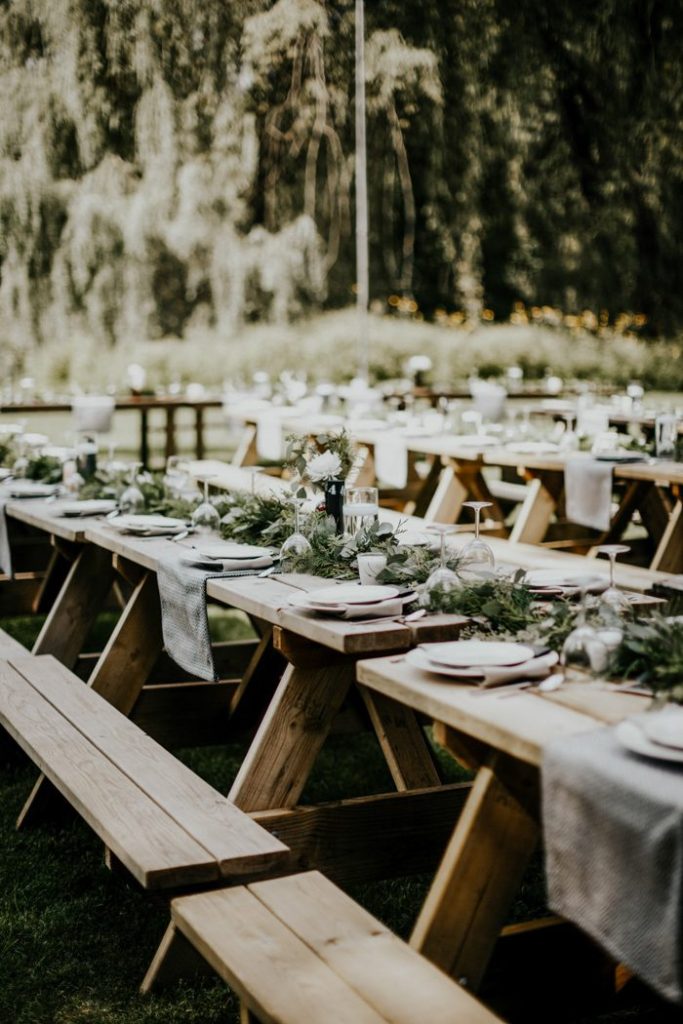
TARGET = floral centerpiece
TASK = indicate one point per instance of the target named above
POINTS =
(323, 462)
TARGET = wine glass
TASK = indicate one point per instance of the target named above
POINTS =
(205, 518)
(132, 499)
(613, 597)
(441, 578)
(476, 558)
(296, 544)
(569, 441)
(176, 476)
(582, 650)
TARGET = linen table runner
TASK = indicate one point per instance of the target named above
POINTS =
(184, 618)
(588, 492)
(5, 549)
(613, 831)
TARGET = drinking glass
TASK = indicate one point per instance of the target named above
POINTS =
(176, 476)
(442, 578)
(666, 435)
(296, 544)
(361, 509)
(132, 499)
(569, 441)
(613, 597)
(476, 559)
(205, 518)
(582, 650)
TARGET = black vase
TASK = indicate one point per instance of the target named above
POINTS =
(334, 502)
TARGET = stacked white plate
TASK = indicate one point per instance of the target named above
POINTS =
(620, 455)
(343, 598)
(148, 525)
(468, 660)
(89, 507)
(226, 555)
(30, 489)
(656, 734)
(556, 582)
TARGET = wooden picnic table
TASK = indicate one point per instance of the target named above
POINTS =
(501, 736)
(143, 404)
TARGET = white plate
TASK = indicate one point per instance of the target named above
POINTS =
(620, 455)
(303, 601)
(540, 579)
(631, 736)
(31, 489)
(473, 653)
(351, 593)
(418, 659)
(150, 525)
(533, 448)
(665, 728)
(91, 507)
(229, 550)
(417, 539)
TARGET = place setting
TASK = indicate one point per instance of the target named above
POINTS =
(484, 663)
(354, 601)
(656, 734)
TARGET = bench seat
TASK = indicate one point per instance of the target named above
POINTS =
(167, 826)
(298, 949)
(9, 647)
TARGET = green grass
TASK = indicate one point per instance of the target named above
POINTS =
(75, 939)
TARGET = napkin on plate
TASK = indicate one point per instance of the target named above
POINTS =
(588, 492)
(535, 668)
(374, 611)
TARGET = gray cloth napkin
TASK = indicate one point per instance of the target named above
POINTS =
(5, 549)
(613, 831)
(184, 619)
(588, 492)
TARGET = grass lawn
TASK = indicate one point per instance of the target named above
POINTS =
(75, 939)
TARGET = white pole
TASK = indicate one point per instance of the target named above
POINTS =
(362, 258)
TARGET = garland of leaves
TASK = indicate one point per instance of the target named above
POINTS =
(652, 652)
(302, 449)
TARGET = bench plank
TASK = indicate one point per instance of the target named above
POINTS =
(237, 843)
(150, 844)
(400, 985)
(9, 647)
(274, 972)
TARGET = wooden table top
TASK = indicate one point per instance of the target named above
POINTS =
(44, 515)
(519, 723)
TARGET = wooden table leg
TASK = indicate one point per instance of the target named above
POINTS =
(291, 734)
(170, 448)
(246, 453)
(448, 498)
(199, 431)
(669, 554)
(538, 508)
(144, 437)
(481, 871)
(403, 742)
(85, 589)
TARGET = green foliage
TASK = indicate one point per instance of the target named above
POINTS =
(506, 605)
(45, 468)
(301, 449)
(652, 652)
(256, 519)
(336, 557)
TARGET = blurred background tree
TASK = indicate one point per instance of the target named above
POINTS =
(169, 164)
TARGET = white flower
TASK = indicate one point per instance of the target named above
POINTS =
(326, 466)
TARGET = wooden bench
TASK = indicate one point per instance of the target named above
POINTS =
(297, 949)
(166, 825)
(9, 647)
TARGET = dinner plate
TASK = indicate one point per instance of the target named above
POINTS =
(620, 456)
(148, 524)
(224, 550)
(31, 489)
(631, 736)
(473, 653)
(351, 593)
(552, 579)
(418, 659)
(665, 728)
(91, 507)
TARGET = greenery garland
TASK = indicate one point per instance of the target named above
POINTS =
(652, 652)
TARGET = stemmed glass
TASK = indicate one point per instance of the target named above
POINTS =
(613, 597)
(476, 558)
(441, 578)
(569, 441)
(296, 544)
(205, 518)
(132, 499)
(176, 476)
(582, 649)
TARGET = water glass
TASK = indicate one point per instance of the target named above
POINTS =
(370, 565)
(361, 509)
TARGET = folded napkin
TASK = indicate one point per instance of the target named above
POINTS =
(228, 564)
(184, 619)
(535, 668)
(5, 550)
(374, 611)
(391, 461)
(588, 492)
(613, 831)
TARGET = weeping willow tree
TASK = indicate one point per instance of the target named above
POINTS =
(171, 165)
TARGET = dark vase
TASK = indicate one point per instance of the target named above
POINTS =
(334, 502)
